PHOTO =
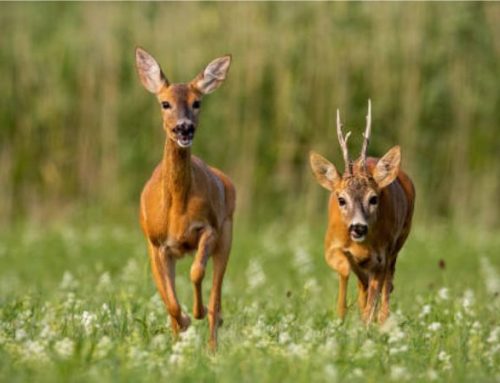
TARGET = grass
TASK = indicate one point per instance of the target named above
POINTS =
(78, 304)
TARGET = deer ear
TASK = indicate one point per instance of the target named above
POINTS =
(149, 71)
(387, 167)
(213, 75)
(324, 171)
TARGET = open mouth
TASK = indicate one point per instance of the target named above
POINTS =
(357, 237)
(184, 142)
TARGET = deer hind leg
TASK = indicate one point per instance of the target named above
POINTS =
(387, 288)
(197, 273)
(220, 259)
(163, 268)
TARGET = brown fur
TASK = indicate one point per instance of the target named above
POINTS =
(372, 260)
(186, 206)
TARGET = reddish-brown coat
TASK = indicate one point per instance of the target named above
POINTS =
(186, 206)
(375, 257)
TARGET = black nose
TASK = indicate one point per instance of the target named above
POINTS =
(359, 229)
(185, 129)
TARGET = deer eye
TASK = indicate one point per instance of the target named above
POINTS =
(165, 105)
(373, 200)
(197, 104)
(341, 201)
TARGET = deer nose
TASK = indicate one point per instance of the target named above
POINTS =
(359, 229)
(184, 129)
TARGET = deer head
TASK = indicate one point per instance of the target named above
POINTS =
(180, 103)
(357, 191)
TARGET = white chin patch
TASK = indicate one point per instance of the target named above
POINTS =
(358, 239)
(184, 144)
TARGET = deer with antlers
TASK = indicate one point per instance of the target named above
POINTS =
(186, 205)
(369, 219)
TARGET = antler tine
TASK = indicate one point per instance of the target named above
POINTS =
(366, 135)
(343, 144)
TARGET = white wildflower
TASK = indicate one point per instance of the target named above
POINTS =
(399, 373)
(34, 351)
(312, 286)
(255, 274)
(159, 342)
(330, 347)
(396, 335)
(491, 277)
(368, 349)
(105, 309)
(330, 372)
(187, 340)
(68, 281)
(47, 332)
(468, 301)
(432, 375)
(475, 328)
(297, 350)
(390, 325)
(426, 310)
(64, 348)
(302, 260)
(310, 335)
(176, 359)
(434, 326)
(284, 337)
(357, 372)
(88, 321)
(152, 317)
(398, 350)
(493, 337)
(445, 359)
(137, 357)
(443, 294)
(20, 335)
(104, 283)
(103, 347)
(130, 271)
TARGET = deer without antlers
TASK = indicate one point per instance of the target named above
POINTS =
(370, 213)
(186, 206)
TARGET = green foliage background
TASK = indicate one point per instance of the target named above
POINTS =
(78, 130)
(79, 136)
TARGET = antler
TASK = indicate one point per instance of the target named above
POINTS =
(366, 136)
(343, 145)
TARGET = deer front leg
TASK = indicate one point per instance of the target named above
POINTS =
(338, 262)
(362, 294)
(374, 285)
(220, 258)
(342, 297)
(180, 321)
(387, 288)
(163, 268)
(205, 247)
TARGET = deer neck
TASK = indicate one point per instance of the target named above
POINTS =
(177, 176)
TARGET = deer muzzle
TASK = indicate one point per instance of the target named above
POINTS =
(184, 133)
(358, 231)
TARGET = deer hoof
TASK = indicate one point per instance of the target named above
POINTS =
(184, 322)
(200, 312)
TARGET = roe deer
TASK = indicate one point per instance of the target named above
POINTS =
(369, 218)
(186, 206)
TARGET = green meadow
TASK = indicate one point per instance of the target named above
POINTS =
(79, 136)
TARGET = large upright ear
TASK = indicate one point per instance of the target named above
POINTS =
(149, 71)
(324, 171)
(213, 75)
(387, 167)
